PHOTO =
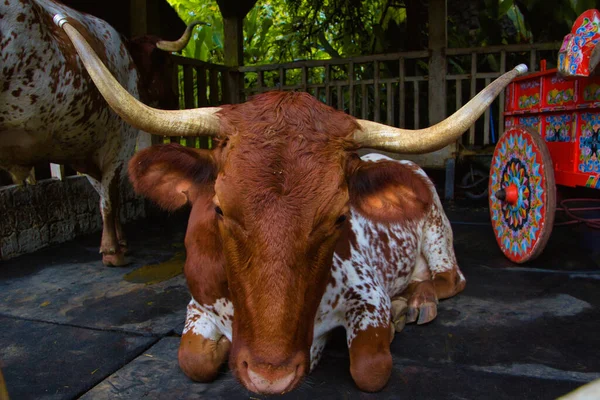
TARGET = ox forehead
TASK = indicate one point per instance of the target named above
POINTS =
(285, 156)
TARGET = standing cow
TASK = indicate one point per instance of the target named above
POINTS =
(50, 110)
(295, 232)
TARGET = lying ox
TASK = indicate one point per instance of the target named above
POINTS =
(295, 232)
(50, 110)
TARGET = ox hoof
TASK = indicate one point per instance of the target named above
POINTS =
(399, 310)
(422, 304)
(115, 260)
(426, 312)
(201, 358)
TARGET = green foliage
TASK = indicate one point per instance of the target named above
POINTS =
(278, 31)
(285, 30)
(207, 40)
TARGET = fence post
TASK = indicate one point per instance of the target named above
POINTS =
(233, 57)
(438, 41)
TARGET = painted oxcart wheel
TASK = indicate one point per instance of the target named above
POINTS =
(522, 194)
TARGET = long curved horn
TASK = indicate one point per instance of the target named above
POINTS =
(180, 43)
(194, 122)
(378, 136)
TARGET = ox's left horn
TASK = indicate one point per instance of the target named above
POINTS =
(373, 135)
(195, 122)
(179, 44)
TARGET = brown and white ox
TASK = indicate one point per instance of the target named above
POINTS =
(294, 231)
(50, 110)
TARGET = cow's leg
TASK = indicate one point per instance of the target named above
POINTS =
(370, 358)
(369, 335)
(107, 188)
(418, 302)
(20, 174)
(438, 251)
(436, 274)
(203, 348)
(118, 226)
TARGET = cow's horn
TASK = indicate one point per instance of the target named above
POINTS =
(373, 135)
(180, 43)
(194, 122)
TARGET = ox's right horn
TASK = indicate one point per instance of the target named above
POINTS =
(378, 136)
(180, 43)
(194, 122)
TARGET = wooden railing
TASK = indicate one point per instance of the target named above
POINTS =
(392, 88)
(199, 84)
(389, 88)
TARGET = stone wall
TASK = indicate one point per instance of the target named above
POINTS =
(54, 211)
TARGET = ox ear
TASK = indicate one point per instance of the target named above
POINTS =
(171, 175)
(388, 191)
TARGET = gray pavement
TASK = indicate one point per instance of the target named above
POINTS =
(72, 328)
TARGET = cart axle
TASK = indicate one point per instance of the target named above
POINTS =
(510, 194)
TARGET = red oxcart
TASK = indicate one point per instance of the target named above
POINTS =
(552, 126)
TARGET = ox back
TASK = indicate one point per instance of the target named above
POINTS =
(50, 110)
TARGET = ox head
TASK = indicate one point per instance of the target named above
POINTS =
(270, 203)
(155, 66)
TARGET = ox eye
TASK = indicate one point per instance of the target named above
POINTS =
(218, 210)
(341, 219)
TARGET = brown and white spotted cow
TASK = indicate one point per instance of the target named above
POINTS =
(50, 110)
(295, 232)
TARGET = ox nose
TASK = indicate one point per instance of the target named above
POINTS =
(267, 382)
(268, 378)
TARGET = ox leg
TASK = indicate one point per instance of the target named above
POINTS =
(20, 174)
(438, 251)
(418, 302)
(370, 358)
(118, 226)
(203, 348)
(436, 275)
(369, 335)
(112, 253)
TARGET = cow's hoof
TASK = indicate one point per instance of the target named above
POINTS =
(399, 310)
(201, 358)
(372, 373)
(426, 313)
(422, 304)
(116, 259)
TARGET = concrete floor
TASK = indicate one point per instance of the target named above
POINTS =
(71, 328)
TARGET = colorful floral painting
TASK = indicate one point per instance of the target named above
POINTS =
(509, 123)
(559, 97)
(574, 54)
(589, 143)
(529, 85)
(529, 101)
(559, 128)
(517, 226)
(531, 122)
(591, 92)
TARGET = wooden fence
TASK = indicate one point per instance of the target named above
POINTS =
(392, 88)
(388, 88)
